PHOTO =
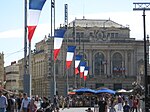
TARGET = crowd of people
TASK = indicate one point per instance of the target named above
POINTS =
(101, 103)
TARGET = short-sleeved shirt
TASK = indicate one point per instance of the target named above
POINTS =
(3, 101)
(126, 108)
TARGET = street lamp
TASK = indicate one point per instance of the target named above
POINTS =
(144, 7)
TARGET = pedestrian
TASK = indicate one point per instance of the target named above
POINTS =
(45, 106)
(32, 106)
(112, 109)
(102, 105)
(19, 101)
(135, 104)
(126, 107)
(3, 102)
(120, 102)
(37, 102)
(25, 103)
(11, 104)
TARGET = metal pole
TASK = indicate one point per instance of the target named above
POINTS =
(54, 61)
(74, 31)
(66, 27)
(52, 34)
(145, 61)
(30, 85)
(25, 42)
(144, 7)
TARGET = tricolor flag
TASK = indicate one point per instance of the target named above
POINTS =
(82, 67)
(77, 62)
(70, 54)
(35, 8)
(58, 39)
(86, 70)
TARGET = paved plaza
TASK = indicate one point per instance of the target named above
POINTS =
(83, 109)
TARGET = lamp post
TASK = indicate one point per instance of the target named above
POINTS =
(143, 7)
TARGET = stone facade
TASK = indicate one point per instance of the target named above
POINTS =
(12, 77)
(115, 59)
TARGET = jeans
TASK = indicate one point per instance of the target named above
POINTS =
(2, 110)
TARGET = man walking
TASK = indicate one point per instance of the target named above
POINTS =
(3, 102)
(102, 105)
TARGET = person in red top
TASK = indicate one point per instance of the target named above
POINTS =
(135, 104)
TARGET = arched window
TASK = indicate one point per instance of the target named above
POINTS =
(117, 64)
(98, 63)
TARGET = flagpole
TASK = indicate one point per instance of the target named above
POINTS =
(25, 45)
(30, 68)
(74, 30)
(66, 27)
(52, 35)
(54, 62)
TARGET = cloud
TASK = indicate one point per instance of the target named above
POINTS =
(41, 30)
(132, 19)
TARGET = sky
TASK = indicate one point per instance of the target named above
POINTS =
(12, 20)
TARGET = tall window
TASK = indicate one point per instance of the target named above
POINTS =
(98, 63)
(117, 63)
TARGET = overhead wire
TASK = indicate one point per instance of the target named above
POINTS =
(10, 54)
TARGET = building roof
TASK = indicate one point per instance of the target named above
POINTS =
(95, 23)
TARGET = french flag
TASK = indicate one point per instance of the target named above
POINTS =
(35, 8)
(77, 62)
(70, 54)
(86, 70)
(82, 67)
(58, 39)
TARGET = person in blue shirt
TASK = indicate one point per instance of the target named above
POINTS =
(126, 107)
(3, 102)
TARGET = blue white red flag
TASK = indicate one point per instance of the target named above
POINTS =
(70, 54)
(82, 67)
(77, 62)
(35, 8)
(58, 39)
(86, 70)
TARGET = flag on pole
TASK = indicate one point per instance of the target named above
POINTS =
(86, 70)
(77, 62)
(58, 39)
(35, 8)
(82, 67)
(70, 54)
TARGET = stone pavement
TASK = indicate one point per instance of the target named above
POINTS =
(82, 109)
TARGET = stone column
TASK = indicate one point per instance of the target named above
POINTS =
(91, 62)
(132, 63)
(108, 63)
(126, 61)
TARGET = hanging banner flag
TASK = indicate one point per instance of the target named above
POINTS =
(86, 70)
(35, 8)
(58, 39)
(82, 67)
(77, 62)
(70, 54)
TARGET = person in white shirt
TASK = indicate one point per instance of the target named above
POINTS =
(25, 103)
